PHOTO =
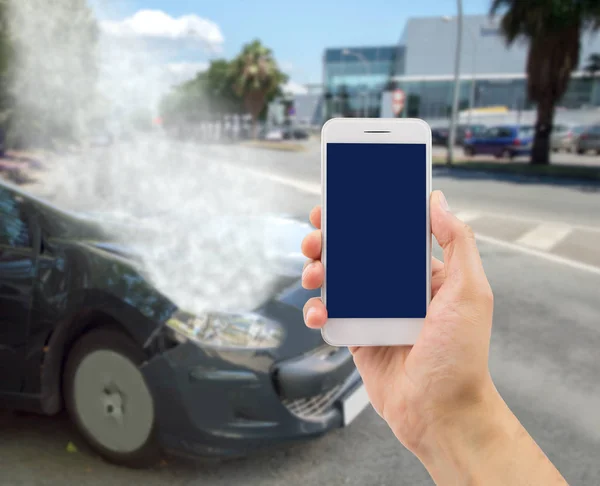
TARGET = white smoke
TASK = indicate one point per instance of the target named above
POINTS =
(194, 214)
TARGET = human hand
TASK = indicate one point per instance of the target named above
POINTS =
(445, 373)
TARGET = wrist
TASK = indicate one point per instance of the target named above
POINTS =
(459, 443)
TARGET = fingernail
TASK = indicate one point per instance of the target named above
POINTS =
(443, 203)
(310, 312)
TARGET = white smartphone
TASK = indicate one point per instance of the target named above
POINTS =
(376, 183)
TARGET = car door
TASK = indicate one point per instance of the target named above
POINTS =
(17, 271)
(485, 141)
(505, 138)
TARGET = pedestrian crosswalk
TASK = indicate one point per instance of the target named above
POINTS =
(545, 236)
(561, 241)
(574, 245)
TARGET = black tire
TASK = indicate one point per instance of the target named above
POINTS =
(507, 154)
(469, 152)
(108, 340)
(580, 151)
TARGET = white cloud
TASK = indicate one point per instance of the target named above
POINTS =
(158, 24)
(291, 87)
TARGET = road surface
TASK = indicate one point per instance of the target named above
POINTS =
(540, 245)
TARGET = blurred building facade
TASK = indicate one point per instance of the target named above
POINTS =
(422, 65)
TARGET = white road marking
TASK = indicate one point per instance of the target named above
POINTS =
(545, 236)
(524, 219)
(309, 187)
(540, 254)
(313, 188)
(468, 216)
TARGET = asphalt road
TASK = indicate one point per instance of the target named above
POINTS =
(544, 352)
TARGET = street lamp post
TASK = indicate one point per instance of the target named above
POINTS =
(363, 59)
(452, 135)
(474, 45)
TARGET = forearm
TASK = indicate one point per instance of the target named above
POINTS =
(486, 445)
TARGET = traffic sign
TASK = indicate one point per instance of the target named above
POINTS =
(398, 98)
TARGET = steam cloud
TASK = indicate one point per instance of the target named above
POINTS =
(193, 214)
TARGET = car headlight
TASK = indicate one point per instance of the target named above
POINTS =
(227, 330)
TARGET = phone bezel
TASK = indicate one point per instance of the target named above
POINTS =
(374, 332)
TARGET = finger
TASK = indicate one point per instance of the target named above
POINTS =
(315, 217)
(437, 266)
(311, 245)
(461, 257)
(438, 275)
(313, 275)
(315, 314)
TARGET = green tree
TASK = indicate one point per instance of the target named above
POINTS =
(256, 78)
(210, 92)
(219, 86)
(186, 103)
(553, 29)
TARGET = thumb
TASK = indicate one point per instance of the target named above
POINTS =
(461, 257)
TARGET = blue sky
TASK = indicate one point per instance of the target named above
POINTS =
(296, 31)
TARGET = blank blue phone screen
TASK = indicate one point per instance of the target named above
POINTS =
(376, 251)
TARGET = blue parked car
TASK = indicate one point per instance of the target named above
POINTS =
(507, 141)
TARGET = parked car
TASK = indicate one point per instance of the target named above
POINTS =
(589, 139)
(295, 134)
(565, 137)
(439, 135)
(502, 141)
(466, 132)
(273, 135)
(82, 327)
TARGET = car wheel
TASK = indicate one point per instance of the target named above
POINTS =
(580, 151)
(469, 151)
(108, 400)
(507, 154)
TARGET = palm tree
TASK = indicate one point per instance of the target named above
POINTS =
(553, 29)
(256, 78)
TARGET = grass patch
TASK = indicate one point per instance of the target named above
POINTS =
(580, 172)
(283, 146)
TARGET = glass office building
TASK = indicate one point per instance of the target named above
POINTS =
(356, 77)
(422, 65)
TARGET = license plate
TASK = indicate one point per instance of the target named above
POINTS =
(354, 403)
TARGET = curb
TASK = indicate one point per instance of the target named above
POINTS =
(280, 146)
(590, 175)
